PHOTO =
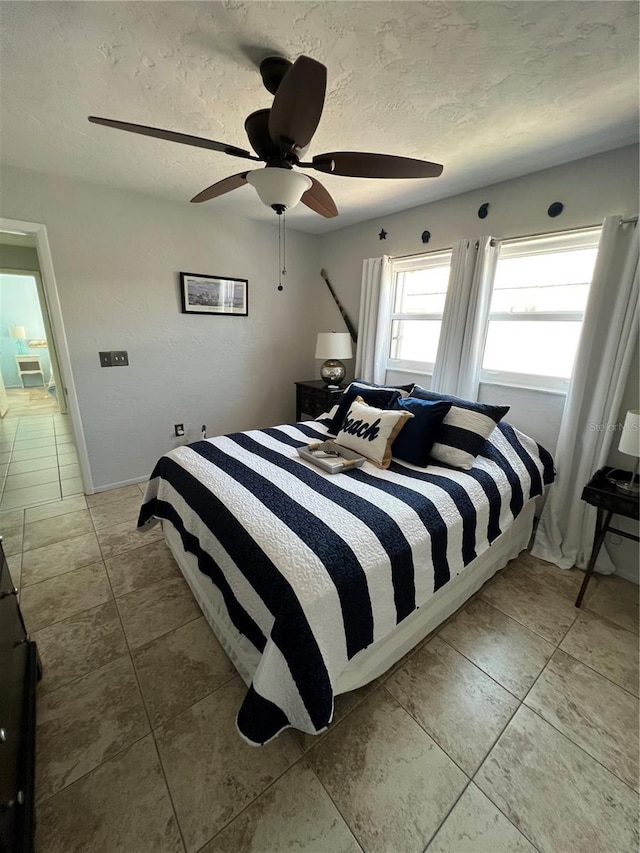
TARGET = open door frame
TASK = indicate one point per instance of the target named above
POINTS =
(54, 310)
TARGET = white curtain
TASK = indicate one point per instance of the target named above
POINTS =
(374, 320)
(464, 322)
(608, 337)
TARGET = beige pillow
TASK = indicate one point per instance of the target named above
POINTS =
(371, 432)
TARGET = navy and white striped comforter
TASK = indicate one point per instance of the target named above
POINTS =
(314, 567)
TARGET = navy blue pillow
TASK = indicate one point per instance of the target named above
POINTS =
(406, 388)
(381, 398)
(417, 436)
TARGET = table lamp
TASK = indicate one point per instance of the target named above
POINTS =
(333, 346)
(630, 443)
(19, 334)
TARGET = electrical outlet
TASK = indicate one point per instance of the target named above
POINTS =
(178, 429)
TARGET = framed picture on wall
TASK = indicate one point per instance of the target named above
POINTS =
(213, 294)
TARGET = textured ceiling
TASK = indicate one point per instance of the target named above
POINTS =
(489, 89)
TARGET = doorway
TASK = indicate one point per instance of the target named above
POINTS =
(39, 459)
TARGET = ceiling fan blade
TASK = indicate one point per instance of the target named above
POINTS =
(319, 200)
(172, 136)
(356, 164)
(297, 106)
(233, 182)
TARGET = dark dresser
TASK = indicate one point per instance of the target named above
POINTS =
(18, 675)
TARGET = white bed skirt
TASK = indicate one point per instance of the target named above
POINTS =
(380, 656)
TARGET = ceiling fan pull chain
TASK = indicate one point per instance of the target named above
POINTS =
(284, 242)
(280, 253)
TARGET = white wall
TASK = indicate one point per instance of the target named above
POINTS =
(117, 256)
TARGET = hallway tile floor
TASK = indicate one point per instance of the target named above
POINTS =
(38, 459)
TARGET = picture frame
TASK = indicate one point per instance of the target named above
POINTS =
(214, 294)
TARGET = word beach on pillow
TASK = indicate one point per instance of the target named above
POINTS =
(371, 431)
(464, 430)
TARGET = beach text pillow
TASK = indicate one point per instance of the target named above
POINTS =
(371, 431)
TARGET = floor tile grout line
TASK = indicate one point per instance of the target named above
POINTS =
(435, 739)
(486, 758)
(146, 711)
(593, 669)
(601, 674)
(337, 807)
(483, 671)
(523, 704)
(42, 800)
(439, 745)
(511, 616)
(564, 734)
(68, 571)
(581, 748)
(304, 754)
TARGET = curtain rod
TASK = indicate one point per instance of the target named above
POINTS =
(632, 219)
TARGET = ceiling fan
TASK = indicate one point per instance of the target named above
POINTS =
(280, 137)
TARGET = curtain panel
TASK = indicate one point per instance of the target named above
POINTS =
(609, 334)
(374, 320)
(464, 322)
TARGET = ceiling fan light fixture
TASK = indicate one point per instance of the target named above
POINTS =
(280, 189)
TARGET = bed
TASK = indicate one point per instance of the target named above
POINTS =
(315, 584)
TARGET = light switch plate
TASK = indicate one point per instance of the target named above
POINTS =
(114, 358)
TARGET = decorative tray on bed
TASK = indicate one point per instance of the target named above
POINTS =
(331, 457)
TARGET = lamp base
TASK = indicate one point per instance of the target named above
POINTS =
(628, 488)
(333, 371)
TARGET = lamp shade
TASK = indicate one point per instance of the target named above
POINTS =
(630, 438)
(17, 332)
(333, 345)
(279, 188)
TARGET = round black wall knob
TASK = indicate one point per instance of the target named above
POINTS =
(555, 209)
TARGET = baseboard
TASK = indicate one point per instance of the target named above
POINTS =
(119, 485)
(627, 573)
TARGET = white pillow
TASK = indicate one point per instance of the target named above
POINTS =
(371, 432)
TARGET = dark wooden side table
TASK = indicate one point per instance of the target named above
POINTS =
(314, 397)
(599, 492)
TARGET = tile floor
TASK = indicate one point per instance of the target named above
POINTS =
(38, 459)
(514, 728)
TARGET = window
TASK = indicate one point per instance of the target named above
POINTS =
(419, 292)
(539, 296)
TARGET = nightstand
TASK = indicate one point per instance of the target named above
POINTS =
(315, 397)
(599, 492)
(29, 365)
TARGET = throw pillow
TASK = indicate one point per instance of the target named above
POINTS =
(382, 398)
(464, 430)
(405, 390)
(371, 431)
(416, 438)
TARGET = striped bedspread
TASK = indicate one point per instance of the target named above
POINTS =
(315, 567)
